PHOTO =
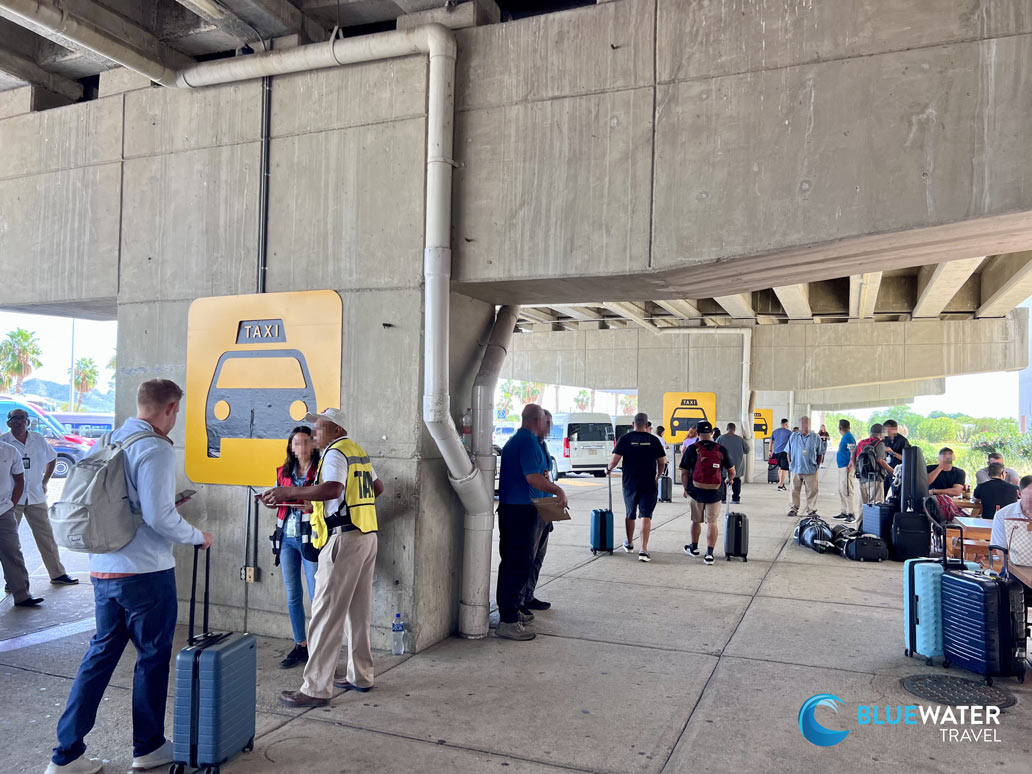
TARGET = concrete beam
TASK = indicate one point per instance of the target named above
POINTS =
(1006, 282)
(939, 283)
(579, 313)
(218, 14)
(633, 312)
(470, 14)
(683, 308)
(281, 17)
(885, 394)
(796, 300)
(863, 294)
(739, 306)
(26, 70)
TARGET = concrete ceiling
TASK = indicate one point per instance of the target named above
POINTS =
(176, 31)
(983, 286)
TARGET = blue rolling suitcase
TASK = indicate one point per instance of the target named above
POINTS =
(984, 624)
(602, 525)
(922, 602)
(215, 687)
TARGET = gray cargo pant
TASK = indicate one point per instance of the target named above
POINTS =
(541, 531)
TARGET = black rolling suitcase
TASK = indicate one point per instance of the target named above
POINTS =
(984, 625)
(215, 702)
(736, 532)
(911, 536)
(666, 489)
(772, 474)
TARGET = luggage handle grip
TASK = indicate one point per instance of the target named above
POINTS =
(945, 538)
(1006, 564)
(193, 594)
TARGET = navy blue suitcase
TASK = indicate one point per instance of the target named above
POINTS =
(602, 525)
(984, 625)
(877, 521)
(215, 692)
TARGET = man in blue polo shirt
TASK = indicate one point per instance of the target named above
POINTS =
(523, 475)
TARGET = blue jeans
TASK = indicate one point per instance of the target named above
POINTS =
(291, 561)
(140, 609)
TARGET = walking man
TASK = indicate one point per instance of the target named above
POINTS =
(779, 449)
(644, 459)
(12, 482)
(135, 592)
(702, 476)
(345, 491)
(737, 448)
(522, 477)
(844, 460)
(805, 453)
(542, 529)
(38, 459)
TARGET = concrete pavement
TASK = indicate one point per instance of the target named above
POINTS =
(671, 666)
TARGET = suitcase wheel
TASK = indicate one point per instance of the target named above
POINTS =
(745, 558)
(726, 556)
(610, 551)
(906, 652)
(988, 681)
(929, 662)
(249, 747)
(1021, 678)
(946, 663)
(177, 768)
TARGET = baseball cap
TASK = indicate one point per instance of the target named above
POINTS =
(704, 427)
(335, 415)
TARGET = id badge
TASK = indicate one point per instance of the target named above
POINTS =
(26, 462)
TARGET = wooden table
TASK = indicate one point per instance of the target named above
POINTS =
(971, 506)
(1023, 573)
(979, 531)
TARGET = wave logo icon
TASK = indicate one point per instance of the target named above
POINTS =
(814, 732)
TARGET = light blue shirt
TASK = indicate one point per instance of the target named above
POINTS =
(803, 451)
(150, 476)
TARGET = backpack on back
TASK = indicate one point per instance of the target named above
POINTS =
(867, 459)
(708, 472)
(94, 515)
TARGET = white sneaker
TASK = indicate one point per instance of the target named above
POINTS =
(81, 765)
(160, 757)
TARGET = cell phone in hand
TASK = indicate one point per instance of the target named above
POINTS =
(185, 495)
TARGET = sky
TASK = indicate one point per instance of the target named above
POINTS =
(92, 339)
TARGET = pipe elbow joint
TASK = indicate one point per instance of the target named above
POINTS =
(440, 41)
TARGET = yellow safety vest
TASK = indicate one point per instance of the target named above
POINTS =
(359, 506)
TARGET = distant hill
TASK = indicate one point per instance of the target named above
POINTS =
(94, 401)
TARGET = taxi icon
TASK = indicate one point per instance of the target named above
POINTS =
(687, 416)
(760, 424)
(257, 394)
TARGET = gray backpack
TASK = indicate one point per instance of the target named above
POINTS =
(94, 515)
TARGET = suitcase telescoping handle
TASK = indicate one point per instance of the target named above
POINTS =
(609, 480)
(193, 593)
(1005, 572)
(945, 540)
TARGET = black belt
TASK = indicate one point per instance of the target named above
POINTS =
(342, 529)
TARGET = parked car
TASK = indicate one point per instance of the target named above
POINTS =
(89, 426)
(70, 448)
(581, 443)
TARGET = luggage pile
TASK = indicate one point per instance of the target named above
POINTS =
(853, 544)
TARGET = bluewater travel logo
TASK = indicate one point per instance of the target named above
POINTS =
(961, 723)
(814, 732)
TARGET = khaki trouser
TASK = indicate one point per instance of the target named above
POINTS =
(341, 609)
(39, 521)
(846, 492)
(809, 480)
(15, 574)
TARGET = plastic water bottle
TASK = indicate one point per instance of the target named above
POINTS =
(398, 629)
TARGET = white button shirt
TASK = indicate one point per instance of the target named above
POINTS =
(10, 466)
(36, 454)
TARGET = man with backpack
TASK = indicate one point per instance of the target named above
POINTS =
(870, 465)
(134, 586)
(703, 469)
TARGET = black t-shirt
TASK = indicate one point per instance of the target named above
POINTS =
(688, 463)
(946, 478)
(897, 444)
(639, 450)
(994, 494)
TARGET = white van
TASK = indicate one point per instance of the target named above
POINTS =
(622, 425)
(581, 443)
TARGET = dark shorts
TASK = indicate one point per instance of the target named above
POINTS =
(640, 502)
(783, 460)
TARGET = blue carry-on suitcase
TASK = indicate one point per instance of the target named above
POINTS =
(602, 525)
(215, 688)
(922, 602)
(984, 622)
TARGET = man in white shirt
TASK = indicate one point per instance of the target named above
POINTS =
(12, 481)
(38, 459)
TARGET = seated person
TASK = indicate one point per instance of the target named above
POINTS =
(944, 478)
(997, 492)
(982, 475)
(1022, 509)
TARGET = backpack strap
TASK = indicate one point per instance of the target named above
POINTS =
(139, 437)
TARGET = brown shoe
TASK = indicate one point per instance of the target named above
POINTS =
(299, 699)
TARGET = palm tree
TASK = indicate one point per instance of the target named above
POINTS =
(19, 356)
(112, 364)
(84, 378)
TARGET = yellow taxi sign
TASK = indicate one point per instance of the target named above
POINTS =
(763, 423)
(683, 410)
(255, 365)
